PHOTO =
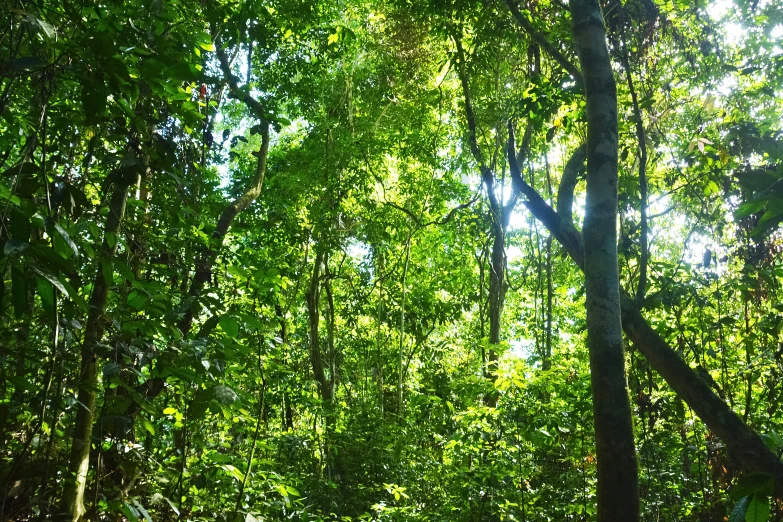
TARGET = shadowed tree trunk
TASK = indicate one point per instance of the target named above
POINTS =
(73, 495)
(742, 442)
(618, 488)
(325, 384)
(206, 259)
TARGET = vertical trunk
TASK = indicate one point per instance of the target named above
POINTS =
(314, 317)
(497, 291)
(640, 136)
(73, 496)
(546, 363)
(288, 410)
(742, 442)
(325, 385)
(618, 495)
(379, 362)
(402, 327)
(332, 382)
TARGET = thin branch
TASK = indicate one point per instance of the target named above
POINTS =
(543, 42)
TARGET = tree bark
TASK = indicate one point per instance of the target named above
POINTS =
(500, 215)
(743, 443)
(73, 495)
(543, 42)
(642, 139)
(618, 487)
(314, 318)
(207, 258)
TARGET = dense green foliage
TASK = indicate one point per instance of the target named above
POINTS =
(321, 350)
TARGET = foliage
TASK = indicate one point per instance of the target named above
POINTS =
(337, 364)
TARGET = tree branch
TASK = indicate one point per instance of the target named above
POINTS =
(543, 42)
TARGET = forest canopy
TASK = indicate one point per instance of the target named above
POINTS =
(360, 260)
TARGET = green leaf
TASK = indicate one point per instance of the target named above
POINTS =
(137, 300)
(753, 483)
(49, 276)
(184, 71)
(738, 513)
(130, 511)
(107, 271)
(229, 325)
(143, 511)
(225, 395)
(15, 247)
(758, 509)
(207, 327)
(20, 169)
(66, 238)
(26, 63)
(148, 426)
(234, 472)
(748, 208)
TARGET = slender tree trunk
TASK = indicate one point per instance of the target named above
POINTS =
(314, 318)
(641, 138)
(400, 408)
(288, 410)
(207, 258)
(546, 363)
(379, 323)
(497, 291)
(618, 490)
(317, 361)
(73, 496)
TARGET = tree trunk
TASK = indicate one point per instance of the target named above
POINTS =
(641, 138)
(618, 488)
(546, 360)
(314, 318)
(73, 496)
(742, 442)
(497, 293)
(207, 258)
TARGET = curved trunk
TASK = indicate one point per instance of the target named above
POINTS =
(207, 258)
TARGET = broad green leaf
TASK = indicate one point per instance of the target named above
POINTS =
(229, 325)
(225, 395)
(49, 276)
(740, 508)
(758, 509)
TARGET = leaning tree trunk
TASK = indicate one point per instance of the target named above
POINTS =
(206, 259)
(73, 496)
(743, 443)
(618, 488)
